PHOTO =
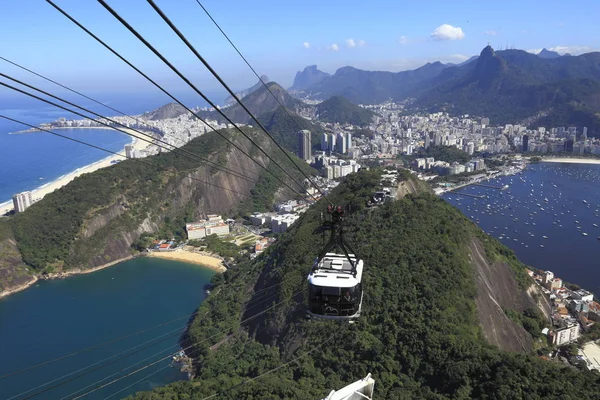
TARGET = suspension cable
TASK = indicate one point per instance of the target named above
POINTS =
(175, 149)
(254, 159)
(221, 81)
(195, 88)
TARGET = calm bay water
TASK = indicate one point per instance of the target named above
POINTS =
(63, 316)
(559, 201)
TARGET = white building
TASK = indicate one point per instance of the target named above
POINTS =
(583, 295)
(280, 223)
(22, 201)
(212, 225)
(566, 335)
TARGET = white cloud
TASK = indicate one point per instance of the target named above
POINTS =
(354, 43)
(403, 40)
(447, 32)
(490, 33)
(333, 47)
(306, 45)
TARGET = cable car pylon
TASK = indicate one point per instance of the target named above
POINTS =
(334, 283)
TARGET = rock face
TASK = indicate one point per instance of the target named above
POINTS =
(308, 77)
(497, 290)
(188, 190)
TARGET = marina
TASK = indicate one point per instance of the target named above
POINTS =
(545, 215)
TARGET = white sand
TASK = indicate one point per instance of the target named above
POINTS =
(40, 192)
(572, 160)
(191, 257)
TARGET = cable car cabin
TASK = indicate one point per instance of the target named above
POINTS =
(334, 288)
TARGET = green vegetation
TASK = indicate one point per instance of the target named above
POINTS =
(285, 131)
(418, 335)
(531, 319)
(448, 154)
(535, 159)
(223, 248)
(511, 86)
(338, 109)
(86, 221)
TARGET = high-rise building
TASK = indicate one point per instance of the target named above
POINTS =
(21, 201)
(427, 141)
(129, 151)
(324, 142)
(525, 142)
(304, 145)
(332, 142)
(341, 144)
(584, 134)
(348, 140)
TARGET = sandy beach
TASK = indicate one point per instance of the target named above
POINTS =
(194, 258)
(40, 192)
(572, 160)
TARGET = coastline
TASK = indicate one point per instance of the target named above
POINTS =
(61, 181)
(572, 160)
(206, 261)
(19, 288)
(213, 263)
(61, 275)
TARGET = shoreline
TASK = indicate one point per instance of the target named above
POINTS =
(48, 187)
(61, 275)
(209, 262)
(573, 160)
(205, 261)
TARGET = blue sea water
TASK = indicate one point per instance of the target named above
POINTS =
(30, 160)
(59, 317)
(559, 201)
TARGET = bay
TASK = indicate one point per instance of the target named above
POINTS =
(558, 200)
(59, 317)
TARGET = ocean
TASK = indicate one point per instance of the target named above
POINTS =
(60, 317)
(543, 217)
(31, 160)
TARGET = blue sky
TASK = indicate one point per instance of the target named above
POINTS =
(278, 37)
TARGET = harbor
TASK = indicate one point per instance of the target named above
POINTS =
(549, 215)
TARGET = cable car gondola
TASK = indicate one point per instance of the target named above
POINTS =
(334, 283)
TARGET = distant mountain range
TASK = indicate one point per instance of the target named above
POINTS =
(509, 86)
(262, 104)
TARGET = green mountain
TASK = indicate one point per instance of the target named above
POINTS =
(259, 102)
(229, 100)
(97, 217)
(512, 86)
(284, 129)
(437, 292)
(372, 87)
(338, 109)
(171, 110)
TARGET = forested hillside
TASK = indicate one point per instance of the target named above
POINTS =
(419, 334)
(97, 217)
